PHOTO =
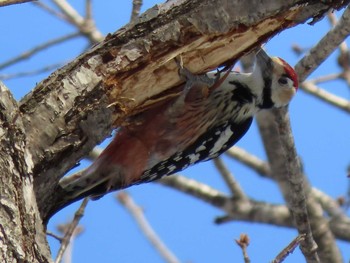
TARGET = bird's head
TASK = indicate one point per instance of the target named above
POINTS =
(279, 78)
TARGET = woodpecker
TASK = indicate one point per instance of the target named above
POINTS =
(209, 116)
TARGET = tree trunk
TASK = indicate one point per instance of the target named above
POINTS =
(22, 235)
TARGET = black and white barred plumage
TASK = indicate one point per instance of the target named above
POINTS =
(203, 122)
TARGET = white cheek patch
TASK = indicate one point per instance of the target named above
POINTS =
(285, 95)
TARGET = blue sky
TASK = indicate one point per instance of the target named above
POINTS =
(186, 224)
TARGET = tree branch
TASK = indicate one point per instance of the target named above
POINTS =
(275, 130)
(17, 199)
(230, 181)
(326, 96)
(14, 2)
(145, 227)
(250, 160)
(31, 72)
(51, 11)
(85, 26)
(289, 249)
(27, 54)
(237, 209)
(324, 47)
(68, 233)
(136, 6)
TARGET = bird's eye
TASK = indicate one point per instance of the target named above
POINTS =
(283, 81)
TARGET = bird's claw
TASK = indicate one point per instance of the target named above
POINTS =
(191, 78)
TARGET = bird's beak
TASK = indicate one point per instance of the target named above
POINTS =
(262, 59)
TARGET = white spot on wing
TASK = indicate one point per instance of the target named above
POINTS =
(194, 157)
(171, 168)
(177, 158)
(224, 137)
(161, 167)
(200, 148)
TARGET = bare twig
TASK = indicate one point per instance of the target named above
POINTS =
(325, 96)
(136, 6)
(232, 184)
(146, 228)
(70, 229)
(69, 11)
(330, 205)
(325, 78)
(51, 234)
(67, 255)
(31, 73)
(195, 189)
(51, 11)
(27, 54)
(250, 160)
(243, 243)
(289, 249)
(85, 26)
(13, 2)
(347, 202)
(88, 10)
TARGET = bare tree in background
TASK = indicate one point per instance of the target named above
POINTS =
(47, 132)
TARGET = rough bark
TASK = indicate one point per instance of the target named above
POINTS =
(22, 236)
